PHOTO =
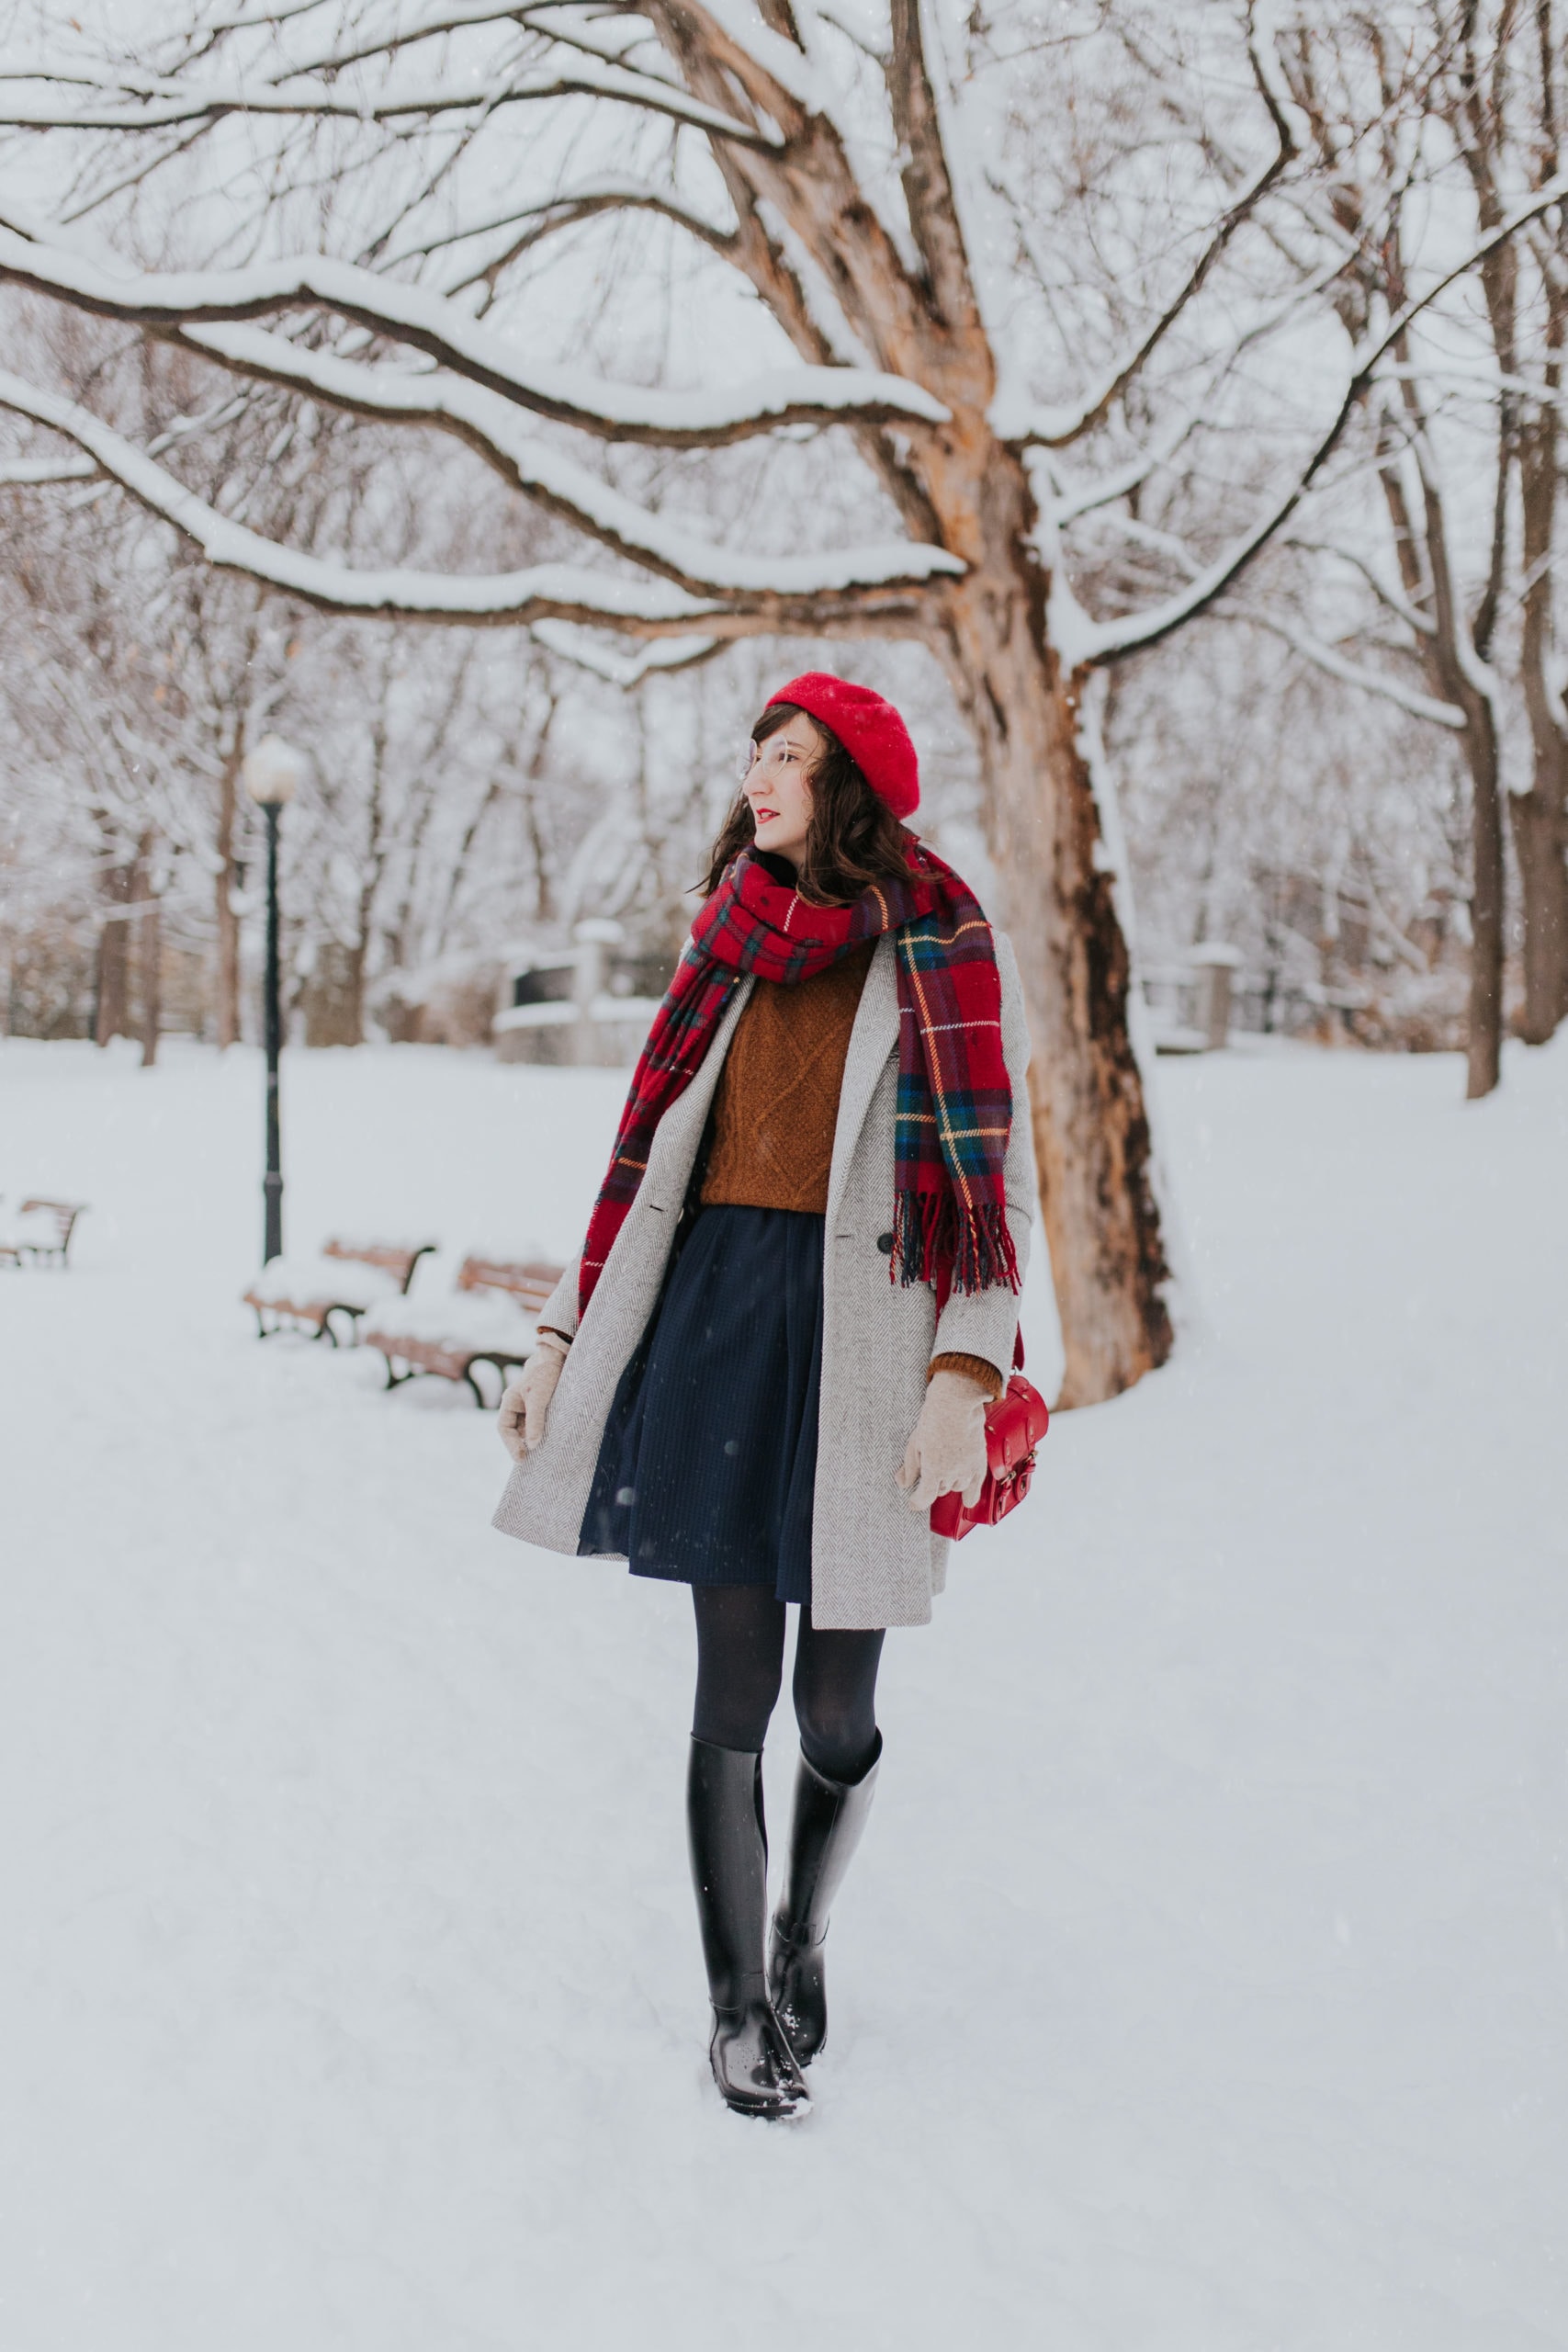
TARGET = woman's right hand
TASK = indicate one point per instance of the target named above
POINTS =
(526, 1405)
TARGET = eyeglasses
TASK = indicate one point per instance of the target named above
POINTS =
(777, 753)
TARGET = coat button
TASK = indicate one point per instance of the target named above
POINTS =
(884, 1243)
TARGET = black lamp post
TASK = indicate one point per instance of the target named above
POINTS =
(273, 771)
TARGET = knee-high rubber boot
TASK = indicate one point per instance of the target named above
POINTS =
(751, 2060)
(829, 1818)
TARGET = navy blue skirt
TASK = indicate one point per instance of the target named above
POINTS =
(708, 1459)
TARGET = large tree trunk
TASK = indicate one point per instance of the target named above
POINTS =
(1057, 900)
(1451, 673)
(1484, 1054)
(333, 996)
(1540, 815)
(228, 971)
(151, 980)
(1541, 839)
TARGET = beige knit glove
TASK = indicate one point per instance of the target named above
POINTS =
(948, 1447)
(525, 1406)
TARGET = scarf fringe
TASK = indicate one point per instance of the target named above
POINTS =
(930, 1233)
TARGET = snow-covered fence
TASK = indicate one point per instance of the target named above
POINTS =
(1190, 1002)
(587, 1005)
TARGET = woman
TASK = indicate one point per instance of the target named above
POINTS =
(798, 1291)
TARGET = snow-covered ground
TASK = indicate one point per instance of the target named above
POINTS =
(1203, 1982)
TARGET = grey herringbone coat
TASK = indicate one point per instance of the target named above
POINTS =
(874, 1561)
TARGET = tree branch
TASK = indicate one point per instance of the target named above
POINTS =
(29, 473)
(623, 670)
(1108, 641)
(554, 481)
(565, 211)
(1057, 433)
(1349, 673)
(150, 102)
(429, 323)
(1069, 501)
(1411, 615)
(891, 605)
(927, 185)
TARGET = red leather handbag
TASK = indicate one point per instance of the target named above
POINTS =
(1015, 1423)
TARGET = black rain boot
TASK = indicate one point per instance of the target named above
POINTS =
(829, 1818)
(750, 2057)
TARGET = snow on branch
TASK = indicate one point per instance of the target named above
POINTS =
(626, 670)
(928, 185)
(1350, 673)
(546, 591)
(29, 473)
(1022, 423)
(774, 73)
(1394, 600)
(1071, 500)
(141, 102)
(521, 226)
(1107, 640)
(429, 324)
(559, 482)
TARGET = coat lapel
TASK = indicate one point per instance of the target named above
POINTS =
(873, 1038)
(679, 1136)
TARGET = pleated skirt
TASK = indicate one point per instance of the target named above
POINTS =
(708, 1459)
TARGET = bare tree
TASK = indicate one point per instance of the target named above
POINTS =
(1541, 814)
(1391, 114)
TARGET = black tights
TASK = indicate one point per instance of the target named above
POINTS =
(741, 1638)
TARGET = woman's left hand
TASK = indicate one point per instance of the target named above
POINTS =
(947, 1449)
(526, 1405)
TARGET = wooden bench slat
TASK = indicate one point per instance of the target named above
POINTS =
(530, 1283)
(392, 1257)
(64, 1213)
(397, 1259)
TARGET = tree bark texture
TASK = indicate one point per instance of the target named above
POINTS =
(1056, 901)
(1484, 1047)
(1540, 842)
(112, 1017)
(1541, 816)
(1422, 551)
(333, 996)
(149, 957)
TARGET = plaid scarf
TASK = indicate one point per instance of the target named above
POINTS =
(955, 1104)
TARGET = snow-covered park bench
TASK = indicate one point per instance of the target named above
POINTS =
(348, 1280)
(40, 1231)
(489, 1319)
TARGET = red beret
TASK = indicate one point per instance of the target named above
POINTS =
(869, 728)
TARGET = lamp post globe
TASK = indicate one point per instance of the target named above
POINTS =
(273, 772)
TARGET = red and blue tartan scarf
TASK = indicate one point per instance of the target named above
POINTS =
(954, 1103)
